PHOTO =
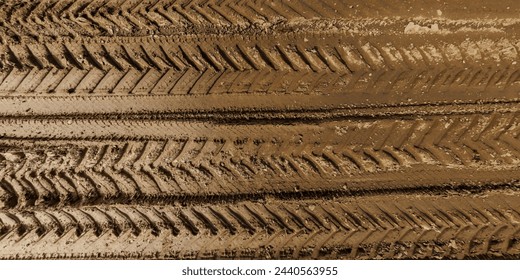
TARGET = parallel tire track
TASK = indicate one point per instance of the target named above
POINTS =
(41, 20)
(201, 159)
(415, 227)
(319, 64)
(254, 129)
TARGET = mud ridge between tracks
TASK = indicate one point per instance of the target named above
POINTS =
(449, 189)
(236, 108)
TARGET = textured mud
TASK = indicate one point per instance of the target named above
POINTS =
(284, 129)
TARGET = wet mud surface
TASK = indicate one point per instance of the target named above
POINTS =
(283, 129)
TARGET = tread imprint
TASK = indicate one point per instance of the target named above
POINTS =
(255, 65)
(475, 149)
(416, 227)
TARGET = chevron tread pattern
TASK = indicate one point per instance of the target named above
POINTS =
(256, 65)
(259, 129)
(262, 159)
(40, 19)
(416, 227)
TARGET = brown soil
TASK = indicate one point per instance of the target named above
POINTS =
(247, 129)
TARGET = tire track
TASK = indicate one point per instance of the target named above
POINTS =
(173, 161)
(317, 64)
(416, 227)
(42, 20)
(283, 129)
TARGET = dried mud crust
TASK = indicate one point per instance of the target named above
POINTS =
(259, 129)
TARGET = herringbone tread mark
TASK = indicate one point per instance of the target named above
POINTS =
(369, 227)
(43, 20)
(471, 150)
(295, 63)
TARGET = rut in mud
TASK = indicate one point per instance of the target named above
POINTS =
(259, 129)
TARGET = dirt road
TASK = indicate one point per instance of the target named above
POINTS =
(257, 129)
